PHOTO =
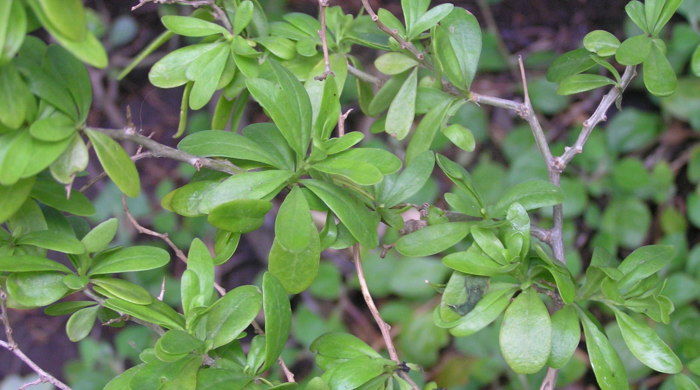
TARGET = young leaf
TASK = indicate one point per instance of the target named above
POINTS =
(191, 27)
(583, 82)
(526, 333)
(100, 236)
(607, 366)
(336, 345)
(457, 45)
(428, 20)
(169, 71)
(566, 335)
(80, 323)
(243, 16)
(130, 259)
(361, 222)
(646, 345)
(635, 10)
(460, 136)
(659, 76)
(14, 27)
(601, 42)
(240, 216)
(177, 342)
(634, 50)
(403, 108)
(432, 239)
(341, 144)
(278, 319)
(119, 167)
(231, 314)
(569, 64)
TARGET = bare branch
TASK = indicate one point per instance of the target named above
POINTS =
(322, 5)
(404, 44)
(287, 373)
(216, 10)
(384, 328)
(159, 150)
(341, 122)
(11, 345)
(364, 76)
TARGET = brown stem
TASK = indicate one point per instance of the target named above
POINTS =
(404, 44)
(322, 5)
(550, 380)
(11, 345)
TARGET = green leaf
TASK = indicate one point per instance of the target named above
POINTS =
(361, 222)
(191, 27)
(428, 20)
(293, 214)
(489, 243)
(119, 167)
(14, 196)
(659, 77)
(197, 283)
(460, 136)
(29, 263)
(601, 43)
(409, 182)
(642, 263)
(296, 270)
(80, 323)
(68, 72)
(394, 63)
(355, 372)
(75, 282)
(341, 144)
(402, 110)
(669, 8)
(246, 185)
(123, 289)
(169, 71)
(475, 262)
(12, 92)
(67, 307)
(67, 17)
(489, 307)
(240, 216)
(695, 62)
(531, 195)
(526, 333)
(100, 236)
(53, 240)
(457, 46)
(34, 289)
(53, 128)
(206, 82)
(634, 50)
(243, 16)
(385, 161)
(607, 366)
(73, 160)
(428, 127)
(156, 312)
(176, 342)
(583, 82)
(135, 258)
(566, 335)
(386, 94)
(186, 199)
(287, 103)
(432, 239)
(231, 314)
(14, 29)
(569, 64)
(635, 10)
(357, 171)
(646, 345)
(278, 319)
(220, 379)
(336, 345)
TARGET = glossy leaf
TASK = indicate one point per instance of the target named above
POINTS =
(489, 307)
(67, 17)
(601, 42)
(427, 129)
(14, 27)
(14, 196)
(566, 335)
(231, 314)
(80, 323)
(13, 111)
(199, 289)
(29, 263)
(116, 163)
(531, 195)
(123, 289)
(336, 345)
(569, 64)
(53, 128)
(428, 20)
(394, 63)
(169, 71)
(54, 195)
(474, 261)
(206, 82)
(296, 270)
(100, 236)
(646, 345)
(432, 239)
(246, 185)
(644, 262)
(634, 50)
(239, 216)
(361, 222)
(403, 108)
(460, 136)
(156, 312)
(191, 27)
(526, 333)
(53, 240)
(293, 214)
(410, 181)
(582, 82)
(34, 289)
(135, 258)
(278, 318)
(607, 366)
(659, 76)
(457, 43)
(216, 143)
(67, 307)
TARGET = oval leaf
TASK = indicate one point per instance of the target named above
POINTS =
(647, 346)
(135, 258)
(432, 239)
(116, 163)
(80, 323)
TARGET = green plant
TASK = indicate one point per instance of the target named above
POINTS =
(297, 69)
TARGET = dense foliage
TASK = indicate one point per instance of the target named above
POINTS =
(540, 248)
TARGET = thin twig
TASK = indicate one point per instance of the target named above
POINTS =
(322, 5)
(287, 373)
(550, 380)
(404, 44)
(384, 328)
(364, 76)
(11, 345)
(163, 236)
(159, 331)
(216, 10)
(341, 122)
(159, 150)
(598, 116)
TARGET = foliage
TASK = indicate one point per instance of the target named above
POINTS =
(509, 273)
